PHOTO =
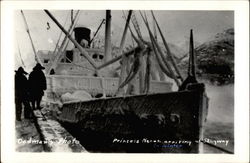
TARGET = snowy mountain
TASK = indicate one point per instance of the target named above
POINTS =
(215, 58)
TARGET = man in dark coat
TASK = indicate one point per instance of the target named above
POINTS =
(21, 94)
(37, 83)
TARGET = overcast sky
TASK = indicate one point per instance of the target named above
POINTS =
(175, 25)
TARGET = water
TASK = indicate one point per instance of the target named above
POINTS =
(220, 120)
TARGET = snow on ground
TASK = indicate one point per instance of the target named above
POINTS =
(25, 131)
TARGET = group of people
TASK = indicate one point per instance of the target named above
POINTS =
(29, 90)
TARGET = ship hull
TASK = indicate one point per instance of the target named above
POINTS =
(162, 122)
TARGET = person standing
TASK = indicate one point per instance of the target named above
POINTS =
(21, 94)
(37, 84)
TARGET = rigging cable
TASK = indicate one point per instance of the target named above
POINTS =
(167, 48)
(134, 69)
(76, 21)
(103, 20)
(19, 51)
(32, 44)
(159, 50)
(60, 35)
(147, 74)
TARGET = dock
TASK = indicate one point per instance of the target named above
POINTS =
(43, 134)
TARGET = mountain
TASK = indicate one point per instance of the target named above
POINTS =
(214, 58)
(177, 51)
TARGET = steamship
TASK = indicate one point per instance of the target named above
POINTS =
(131, 98)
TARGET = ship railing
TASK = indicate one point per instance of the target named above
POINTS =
(61, 84)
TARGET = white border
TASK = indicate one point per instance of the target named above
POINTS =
(241, 81)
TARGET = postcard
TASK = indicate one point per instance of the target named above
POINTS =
(125, 81)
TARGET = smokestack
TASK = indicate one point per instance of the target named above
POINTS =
(108, 36)
(82, 33)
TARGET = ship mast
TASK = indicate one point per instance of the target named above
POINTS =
(28, 31)
(125, 61)
(191, 66)
(84, 52)
(57, 54)
(107, 53)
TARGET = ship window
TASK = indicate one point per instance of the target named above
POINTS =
(62, 60)
(69, 56)
(101, 57)
(94, 56)
(97, 56)
(45, 61)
